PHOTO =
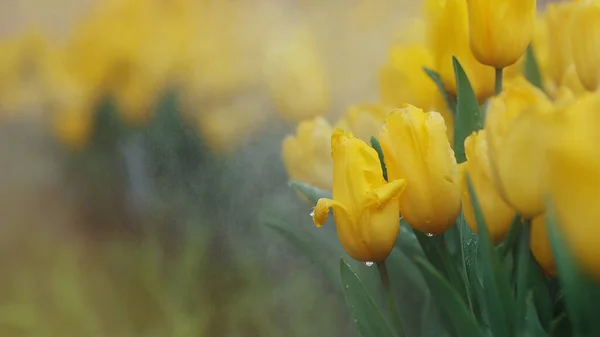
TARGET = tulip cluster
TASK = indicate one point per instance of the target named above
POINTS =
(536, 150)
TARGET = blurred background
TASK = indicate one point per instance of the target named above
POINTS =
(141, 155)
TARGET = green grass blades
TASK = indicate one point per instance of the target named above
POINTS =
(468, 113)
(449, 301)
(365, 314)
(581, 292)
(448, 98)
(499, 300)
(312, 193)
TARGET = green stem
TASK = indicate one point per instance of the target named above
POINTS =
(523, 266)
(385, 282)
(499, 75)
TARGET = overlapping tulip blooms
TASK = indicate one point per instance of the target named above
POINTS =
(533, 153)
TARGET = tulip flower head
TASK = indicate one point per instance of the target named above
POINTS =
(585, 41)
(574, 180)
(416, 148)
(497, 214)
(500, 30)
(365, 206)
(307, 156)
(517, 139)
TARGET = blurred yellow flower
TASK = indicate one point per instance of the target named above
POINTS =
(539, 244)
(448, 35)
(363, 121)
(307, 156)
(403, 81)
(364, 205)
(574, 180)
(584, 31)
(558, 51)
(500, 30)
(296, 76)
(497, 214)
(517, 141)
(416, 148)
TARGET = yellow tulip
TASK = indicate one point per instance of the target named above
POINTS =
(307, 156)
(559, 47)
(497, 214)
(363, 121)
(403, 81)
(416, 148)
(517, 144)
(364, 205)
(584, 31)
(574, 180)
(500, 30)
(448, 35)
(296, 77)
(539, 243)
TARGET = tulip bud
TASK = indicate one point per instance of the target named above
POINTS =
(539, 243)
(497, 214)
(416, 148)
(363, 121)
(365, 206)
(517, 140)
(307, 156)
(585, 42)
(574, 180)
(500, 30)
(448, 35)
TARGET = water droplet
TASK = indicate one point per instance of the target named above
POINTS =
(312, 212)
(429, 235)
(368, 263)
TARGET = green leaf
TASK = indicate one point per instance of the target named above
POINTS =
(312, 193)
(437, 79)
(449, 301)
(581, 292)
(375, 144)
(533, 328)
(508, 244)
(499, 299)
(468, 113)
(364, 312)
(531, 68)
(524, 265)
(310, 247)
(416, 309)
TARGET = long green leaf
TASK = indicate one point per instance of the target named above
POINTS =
(533, 328)
(309, 247)
(468, 113)
(581, 292)
(312, 193)
(448, 98)
(499, 299)
(449, 301)
(365, 314)
(375, 145)
(531, 68)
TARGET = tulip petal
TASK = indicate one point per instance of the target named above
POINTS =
(387, 192)
(321, 210)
